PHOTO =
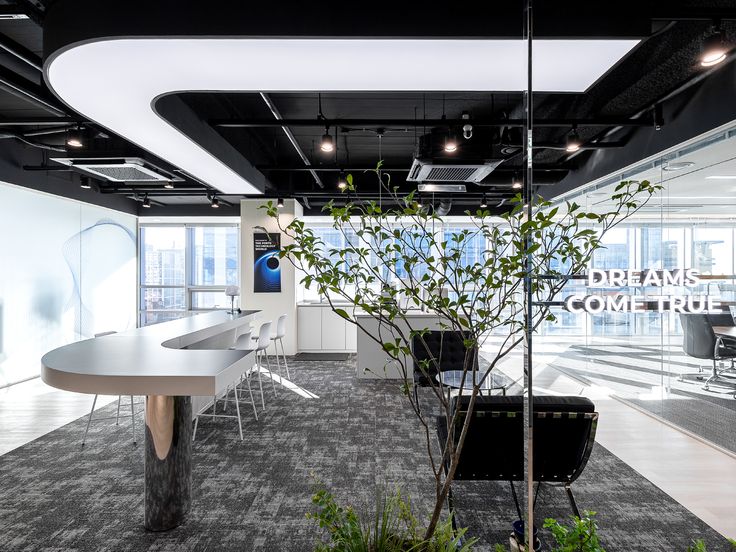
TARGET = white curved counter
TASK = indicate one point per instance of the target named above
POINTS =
(151, 360)
(168, 363)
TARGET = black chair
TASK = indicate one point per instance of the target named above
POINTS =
(444, 351)
(700, 341)
(564, 434)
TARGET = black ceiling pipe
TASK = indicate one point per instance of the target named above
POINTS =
(416, 123)
(40, 121)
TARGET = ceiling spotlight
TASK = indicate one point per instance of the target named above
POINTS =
(74, 138)
(214, 203)
(572, 144)
(450, 143)
(341, 182)
(146, 202)
(169, 185)
(327, 144)
(280, 203)
(84, 182)
(516, 183)
(714, 49)
(483, 202)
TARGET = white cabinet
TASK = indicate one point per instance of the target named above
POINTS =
(309, 328)
(333, 331)
(320, 329)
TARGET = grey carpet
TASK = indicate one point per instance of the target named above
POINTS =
(633, 370)
(323, 356)
(253, 495)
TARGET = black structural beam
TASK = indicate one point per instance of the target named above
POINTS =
(378, 123)
(40, 121)
(20, 52)
(26, 90)
(347, 168)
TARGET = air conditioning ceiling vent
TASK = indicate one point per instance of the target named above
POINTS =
(130, 170)
(428, 171)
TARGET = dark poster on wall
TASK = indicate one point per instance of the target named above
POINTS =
(266, 265)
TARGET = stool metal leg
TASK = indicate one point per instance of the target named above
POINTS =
(132, 417)
(237, 410)
(252, 400)
(117, 416)
(89, 420)
(268, 364)
(260, 383)
(283, 352)
(278, 363)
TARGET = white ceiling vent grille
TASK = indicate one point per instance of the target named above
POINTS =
(435, 172)
(129, 170)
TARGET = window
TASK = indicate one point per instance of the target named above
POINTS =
(186, 267)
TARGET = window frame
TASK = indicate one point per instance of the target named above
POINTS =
(188, 288)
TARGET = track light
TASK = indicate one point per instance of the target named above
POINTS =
(214, 202)
(327, 144)
(74, 138)
(280, 203)
(516, 183)
(341, 182)
(483, 202)
(84, 182)
(169, 185)
(714, 49)
(146, 202)
(450, 143)
(572, 143)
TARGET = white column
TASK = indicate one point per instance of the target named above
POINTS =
(272, 305)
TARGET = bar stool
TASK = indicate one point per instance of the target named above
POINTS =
(240, 342)
(117, 415)
(277, 339)
(261, 349)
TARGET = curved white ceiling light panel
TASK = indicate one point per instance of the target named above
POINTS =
(116, 81)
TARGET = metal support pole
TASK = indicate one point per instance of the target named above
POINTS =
(528, 311)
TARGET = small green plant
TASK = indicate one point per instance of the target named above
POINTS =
(699, 546)
(393, 527)
(580, 536)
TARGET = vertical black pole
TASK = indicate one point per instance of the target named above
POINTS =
(529, 295)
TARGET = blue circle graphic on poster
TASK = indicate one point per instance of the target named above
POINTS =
(267, 265)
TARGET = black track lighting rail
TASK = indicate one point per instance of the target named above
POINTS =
(359, 168)
(417, 123)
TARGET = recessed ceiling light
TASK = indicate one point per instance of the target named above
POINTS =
(677, 166)
(721, 177)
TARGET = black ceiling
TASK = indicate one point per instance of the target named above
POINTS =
(664, 62)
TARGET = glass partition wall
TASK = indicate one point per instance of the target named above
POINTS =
(642, 357)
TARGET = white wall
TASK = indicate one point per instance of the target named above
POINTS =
(272, 305)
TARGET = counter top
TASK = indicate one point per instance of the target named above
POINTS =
(150, 360)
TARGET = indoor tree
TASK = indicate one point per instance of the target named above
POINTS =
(400, 240)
